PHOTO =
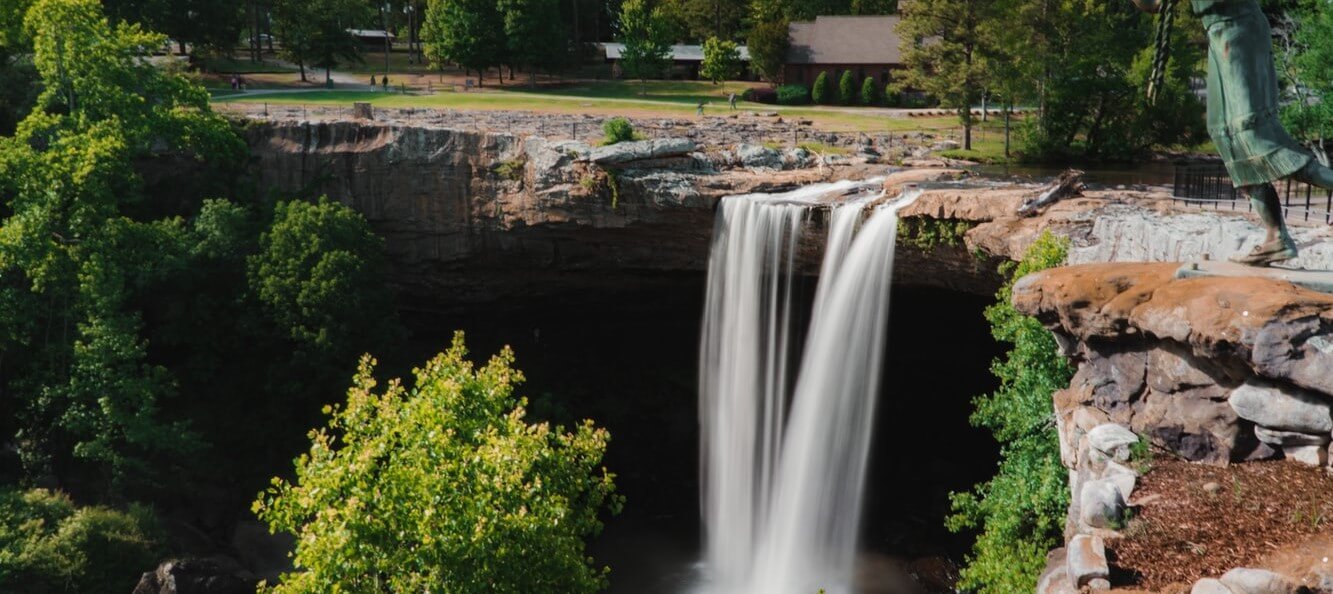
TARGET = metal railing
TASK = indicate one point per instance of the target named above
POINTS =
(1209, 184)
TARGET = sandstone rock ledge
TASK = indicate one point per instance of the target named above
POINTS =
(1213, 370)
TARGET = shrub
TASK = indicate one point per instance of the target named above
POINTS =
(444, 485)
(1021, 511)
(891, 97)
(617, 130)
(819, 93)
(761, 95)
(847, 88)
(793, 95)
(869, 91)
(50, 546)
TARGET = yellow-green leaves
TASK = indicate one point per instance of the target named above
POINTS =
(444, 485)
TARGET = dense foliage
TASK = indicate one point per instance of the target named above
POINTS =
(722, 60)
(1304, 51)
(793, 95)
(768, 43)
(48, 545)
(646, 33)
(1020, 512)
(847, 88)
(617, 130)
(869, 91)
(315, 32)
(820, 92)
(443, 485)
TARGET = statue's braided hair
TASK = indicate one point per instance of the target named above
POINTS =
(1165, 19)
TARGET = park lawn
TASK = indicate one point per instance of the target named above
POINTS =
(686, 92)
(840, 119)
(987, 142)
(372, 62)
(222, 65)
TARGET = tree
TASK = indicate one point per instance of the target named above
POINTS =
(869, 91)
(1021, 511)
(820, 92)
(942, 43)
(17, 94)
(768, 43)
(467, 32)
(212, 24)
(534, 36)
(847, 88)
(722, 60)
(87, 396)
(318, 274)
(443, 485)
(316, 32)
(701, 19)
(647, 38)
(1305, 48)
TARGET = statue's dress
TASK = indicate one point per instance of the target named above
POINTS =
(1243, 94)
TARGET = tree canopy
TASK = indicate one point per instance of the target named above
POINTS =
(443, 484)
(722, 60)
(647, 35)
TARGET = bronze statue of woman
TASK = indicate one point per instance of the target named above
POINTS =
(1243, 117)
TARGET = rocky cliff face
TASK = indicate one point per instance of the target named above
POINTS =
(1214, 370)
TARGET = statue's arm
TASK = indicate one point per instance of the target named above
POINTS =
(1148, 6)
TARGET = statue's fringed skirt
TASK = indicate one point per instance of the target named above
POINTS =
(1243, 95)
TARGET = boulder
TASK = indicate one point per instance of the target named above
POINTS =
(639, 150)
(1211, 586)
(1282, 408)
(1289, 438)
(1100, 504)
(1123, 477)
(758, 156)
(1086, 560)
(1244, 580)
(946, 145)
(1112, 440)
(1195, 424)
(1055, 578)
(210, 575)
(1309, 455)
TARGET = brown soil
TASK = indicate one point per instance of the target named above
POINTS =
(1181, 532)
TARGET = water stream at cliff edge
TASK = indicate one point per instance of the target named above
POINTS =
(783, 474)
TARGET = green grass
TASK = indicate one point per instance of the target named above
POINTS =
(674, 100)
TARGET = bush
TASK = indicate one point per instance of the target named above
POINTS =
(891, 98)
(760, 95)
(443, 486)
(1021, 511)
(847, 88)
(49, 546)
(819, 93)
(869, 91)
(793, 95)
(617, 130)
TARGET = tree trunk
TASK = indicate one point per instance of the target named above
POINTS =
(301, 64)
(1008, 109)
(966, 114)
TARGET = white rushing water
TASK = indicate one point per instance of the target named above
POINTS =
(782, 492)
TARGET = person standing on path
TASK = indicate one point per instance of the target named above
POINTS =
(372, 83)
(731, 100)
(700, 110)
(385, 81)
(1243, 118)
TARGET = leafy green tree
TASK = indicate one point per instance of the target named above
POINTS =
(847, 88)
(470, 33)
(17, 93)
(50, 546)
(1020, 511)
(444, 485)
(318, 272)
(534, 37)
(722, 60)
(820, 92)
(647, 37)
(768, 43)
(87, 397)
(701, 19)
(869, 91)
(316, 32)
(1305, 49)
(943, 43)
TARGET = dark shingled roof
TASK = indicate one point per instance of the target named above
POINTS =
(845, 40)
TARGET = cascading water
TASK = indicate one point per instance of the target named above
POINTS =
(782, 493)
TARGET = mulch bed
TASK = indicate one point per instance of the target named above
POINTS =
(1182, 532)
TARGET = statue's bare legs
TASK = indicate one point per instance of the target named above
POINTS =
(1278, 244)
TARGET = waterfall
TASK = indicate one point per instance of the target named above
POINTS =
(782, 492)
